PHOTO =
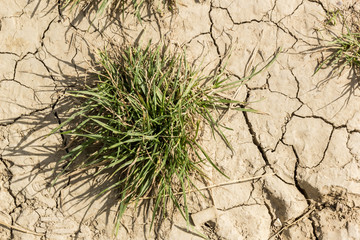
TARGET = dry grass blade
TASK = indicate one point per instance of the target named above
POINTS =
(219, 185)
(295, 221)
(20, 229)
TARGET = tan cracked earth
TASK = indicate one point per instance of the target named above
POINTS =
(307, 143)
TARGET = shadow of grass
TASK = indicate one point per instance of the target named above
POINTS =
(77, 194)
(113, 11)
(338, 66)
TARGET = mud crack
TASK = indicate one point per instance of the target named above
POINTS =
(211, 31)
(304, 193)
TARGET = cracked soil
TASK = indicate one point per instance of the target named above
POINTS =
(306, 144)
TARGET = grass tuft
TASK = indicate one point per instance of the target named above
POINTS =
(344, 48)
(118, 6)
(140, 124)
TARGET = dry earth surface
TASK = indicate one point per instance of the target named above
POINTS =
(307, 144)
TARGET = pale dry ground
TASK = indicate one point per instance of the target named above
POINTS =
(308, 140)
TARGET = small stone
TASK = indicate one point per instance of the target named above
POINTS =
(277, 223)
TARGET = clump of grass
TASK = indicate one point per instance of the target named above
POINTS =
(101, 6)
(345, 47)
(332, 17)
(141, 121)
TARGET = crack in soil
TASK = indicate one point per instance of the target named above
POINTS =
(44, 32)
(256, 142)
(59, 9)
(64, 140)
(211, 32)
(10, 176)
(24, 115)
(297, 184)
(326, 148)
(269, 210)
(9, 53)
(244, 22)
(295, 9)
(280, 27)
(254, 139)
(320, 3)
(323, 119)
(301, 190)
(313, 225)
(298, 86)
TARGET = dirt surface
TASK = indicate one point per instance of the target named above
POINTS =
(307, 144)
